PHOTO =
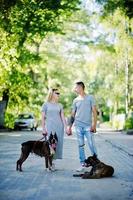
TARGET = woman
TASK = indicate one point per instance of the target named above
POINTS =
(53, 120)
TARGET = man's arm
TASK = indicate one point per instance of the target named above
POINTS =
(71, 120)
(70, 123)
(94, 123)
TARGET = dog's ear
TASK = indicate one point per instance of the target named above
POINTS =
(55, 135)
(95, 156)
(51, 136)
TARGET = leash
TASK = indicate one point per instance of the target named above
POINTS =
(51, 149)
(45, 136)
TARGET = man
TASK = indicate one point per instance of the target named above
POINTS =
(84, 117)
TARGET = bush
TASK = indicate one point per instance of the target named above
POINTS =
(9, 120)
(118, 121)
(129, 123)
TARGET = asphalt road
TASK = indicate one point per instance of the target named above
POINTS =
(35, 183)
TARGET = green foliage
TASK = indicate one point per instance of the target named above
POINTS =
(53, 44)
(129, 123)
(9, 120)
(121, 110)
(23, 26)
(106, 112)
(110, 6)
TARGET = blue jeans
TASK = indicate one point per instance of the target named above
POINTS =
(83, 132)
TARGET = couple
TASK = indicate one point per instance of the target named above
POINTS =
(83, 117)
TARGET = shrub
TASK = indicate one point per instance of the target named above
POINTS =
(9, 120)
(129, 123)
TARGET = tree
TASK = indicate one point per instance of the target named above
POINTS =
(24, 23)
(110, 6)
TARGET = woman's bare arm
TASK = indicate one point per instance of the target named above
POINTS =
(64, 120)
(44, 131)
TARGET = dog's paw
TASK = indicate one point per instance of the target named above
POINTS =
(78, 175)
(52, 169)
(85, 177)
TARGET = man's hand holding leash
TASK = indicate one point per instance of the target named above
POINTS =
(93, 129)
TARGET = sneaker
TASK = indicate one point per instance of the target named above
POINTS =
(53, 168)
(81, 168)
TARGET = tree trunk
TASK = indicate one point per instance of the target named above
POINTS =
(3, 107)
(127, 83)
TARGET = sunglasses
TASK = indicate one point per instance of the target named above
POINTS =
(57, 93)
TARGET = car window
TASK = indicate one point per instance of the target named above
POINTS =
(26, 116)
(20, 117)
(30, 117)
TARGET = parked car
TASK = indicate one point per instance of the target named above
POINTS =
(26, 120)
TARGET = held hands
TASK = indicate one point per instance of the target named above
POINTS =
(69, 131)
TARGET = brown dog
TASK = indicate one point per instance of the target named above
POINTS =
(45, 149)
(99, 169)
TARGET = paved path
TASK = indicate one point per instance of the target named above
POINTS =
(35, 183)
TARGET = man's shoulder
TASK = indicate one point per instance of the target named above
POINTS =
(76, 99)
(89, 96)
(60, 105)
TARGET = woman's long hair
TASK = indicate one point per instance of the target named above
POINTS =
(50, 94)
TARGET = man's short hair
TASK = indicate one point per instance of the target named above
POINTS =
(81, 84)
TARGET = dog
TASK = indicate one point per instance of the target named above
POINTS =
(45, 149)
(99, 169)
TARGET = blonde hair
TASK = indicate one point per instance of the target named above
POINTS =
(50, 94)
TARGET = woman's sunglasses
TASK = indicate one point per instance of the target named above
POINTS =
(57, 93)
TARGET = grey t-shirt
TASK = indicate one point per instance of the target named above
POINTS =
(83, 109)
